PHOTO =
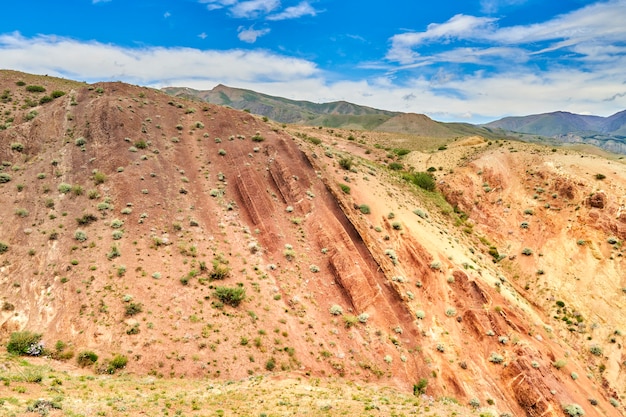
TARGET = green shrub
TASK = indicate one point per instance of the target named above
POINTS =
(45, 99)
(21, 212)
(219, 272)
(57, 93)
(573, 410)
(133, 309)
(118, 362)
(4, 177)
(336, 310)
(86, 358)
(395, 166)
(595, 350)
(3, 247)
(346, 163)
(257, 137)
(422, 179)
(99, 177)
(81, 141)
(80, 235)
(35, 88)
(527, 251)
(86, 219)
(17, 146)
(31, 115)
(230, 295)
(24, 343)
(64, 188)
(344, 188)
(420, 387)
(365, 209)
(141, 144)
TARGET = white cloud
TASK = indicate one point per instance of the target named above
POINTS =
(253, 8)
(492, 6)
(459, 26)
(250, 35)
(217, 4)
(294, 12)
(93, 61)
(269, 9)
(600, 23)
(99, 1)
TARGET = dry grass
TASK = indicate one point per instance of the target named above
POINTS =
(126, 395)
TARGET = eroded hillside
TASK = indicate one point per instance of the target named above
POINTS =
(200, 241)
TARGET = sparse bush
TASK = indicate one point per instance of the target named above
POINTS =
(17, 146)
(232, 296)
(4, 178)
(117, 223)
(336, 310)
(24, 343)
(80, 235)
(86, 358)
(600, 176)
(346, 163)
(86, 219)
(595, 350)
(422, 179)
(64, 188)
(420, 387)
(559, 364)
(114, 253)
(219, 272)
(99, 177)
(21, 212)
(496, 358)
(117, 362)
(350, 320)
(81, 141)
(77, 190)
(527, 251)
(363, 317)
(257, 137)
(365, 209)
(450, 312)
(133, 309)
(420, 314)
(573, 410)
(35, 88)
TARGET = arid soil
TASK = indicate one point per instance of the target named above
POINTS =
(178, 198)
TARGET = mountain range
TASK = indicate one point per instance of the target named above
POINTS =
(608, 133)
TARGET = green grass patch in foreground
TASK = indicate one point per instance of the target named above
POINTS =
(84, 393)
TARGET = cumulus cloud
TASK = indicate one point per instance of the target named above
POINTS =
(93, 61)
(294, 12)
(250, 35)
(247, 9)
(269, 9)
(597, 24)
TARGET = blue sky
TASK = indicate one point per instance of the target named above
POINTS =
(454, 60)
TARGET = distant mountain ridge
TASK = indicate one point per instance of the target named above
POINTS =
(337, 114)
(608, 133)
